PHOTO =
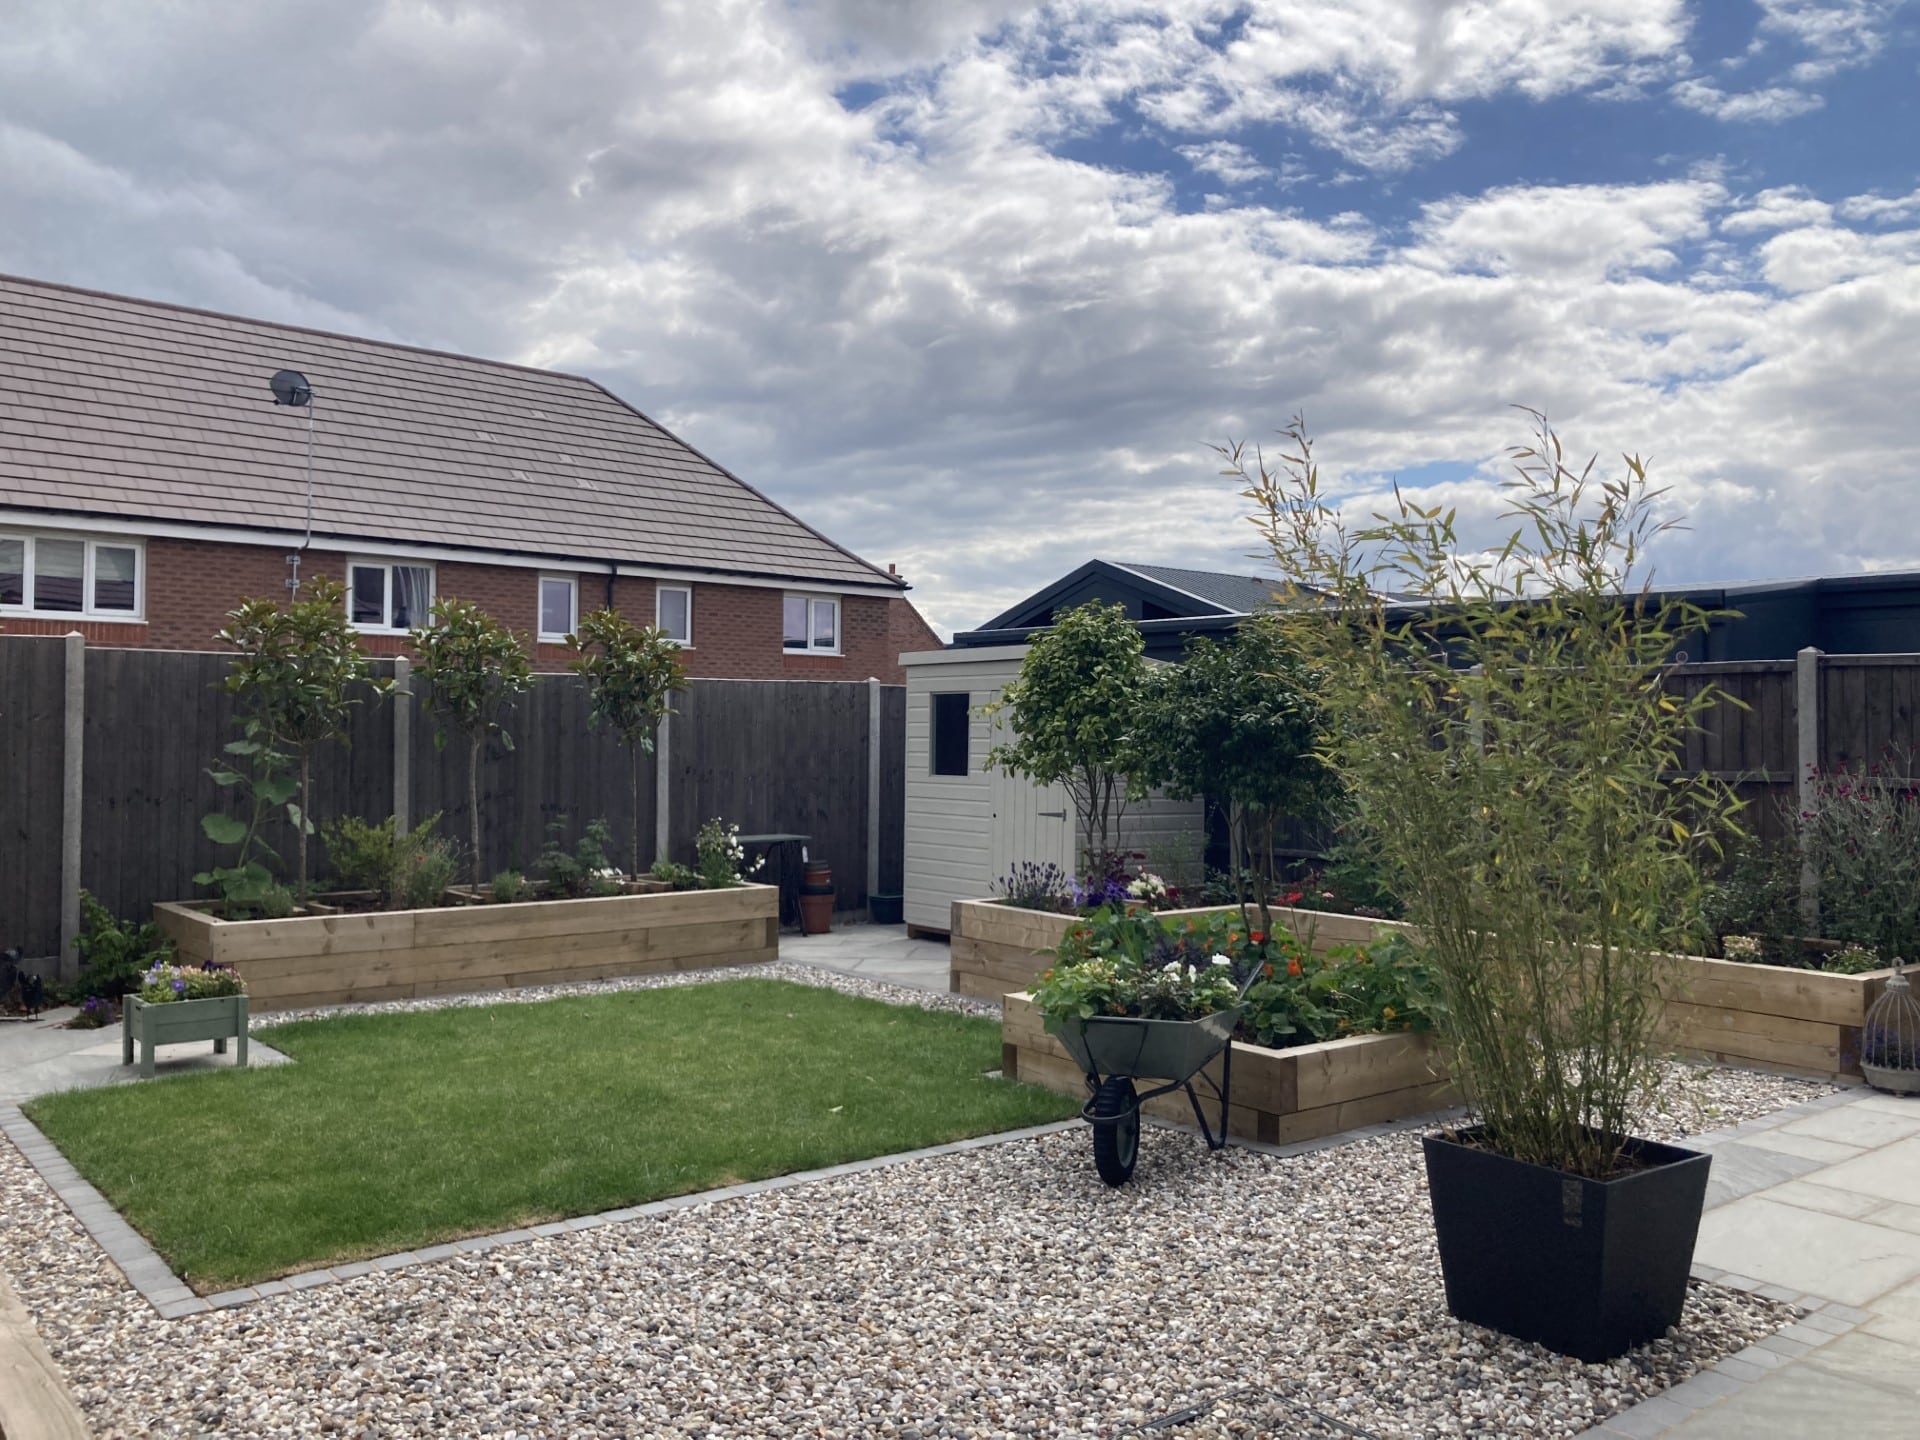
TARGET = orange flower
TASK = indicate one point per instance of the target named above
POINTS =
(1259, 937)
(1293, 967)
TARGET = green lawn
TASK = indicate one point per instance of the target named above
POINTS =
(398, 1131)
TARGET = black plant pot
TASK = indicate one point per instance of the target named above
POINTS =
(1589, 1268)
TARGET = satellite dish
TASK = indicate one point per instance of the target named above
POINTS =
(290, 387)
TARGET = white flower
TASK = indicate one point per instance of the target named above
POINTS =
(1172, 967)
(1221, 960)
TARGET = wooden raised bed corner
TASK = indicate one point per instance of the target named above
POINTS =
(405, 954)
(1280, 1096)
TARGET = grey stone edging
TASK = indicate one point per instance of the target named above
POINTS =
(148, 1273)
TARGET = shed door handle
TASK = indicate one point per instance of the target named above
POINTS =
(1051, 814)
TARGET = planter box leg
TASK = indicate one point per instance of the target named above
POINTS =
(240, 1056)
(220, 1046)
(126, 1033)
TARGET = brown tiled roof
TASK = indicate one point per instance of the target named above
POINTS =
(133, 409)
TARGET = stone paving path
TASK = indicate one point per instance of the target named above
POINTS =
(1821, 1209)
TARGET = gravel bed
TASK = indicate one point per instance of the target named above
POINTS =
(777, 970)
(994, 1292)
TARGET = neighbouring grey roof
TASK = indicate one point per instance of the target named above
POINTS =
(133, 409)
(1236, 594)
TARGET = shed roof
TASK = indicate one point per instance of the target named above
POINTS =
(134, 409)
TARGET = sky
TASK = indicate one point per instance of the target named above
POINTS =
(974, 287)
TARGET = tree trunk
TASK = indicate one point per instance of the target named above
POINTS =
(474, 748)
(305, 827)
(633, 753)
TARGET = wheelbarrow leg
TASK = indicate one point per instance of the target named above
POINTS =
(1224, 1089)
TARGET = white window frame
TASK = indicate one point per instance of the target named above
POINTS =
(388, 565)
(572, 582)
(686, 590)
(810, 648)
(87, 610)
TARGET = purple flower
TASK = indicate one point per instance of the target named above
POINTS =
(179, 986)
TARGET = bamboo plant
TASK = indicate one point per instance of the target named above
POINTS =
(1500, 721)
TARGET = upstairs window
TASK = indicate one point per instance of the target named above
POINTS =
(58, 575)
(673, 613)
(950, 720)
(559, 607)
(388, 597)
(811, 624)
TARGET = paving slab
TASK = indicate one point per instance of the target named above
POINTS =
(1826, 1255)
(1862, 1123)
(1811, 1147)
(1810, 1194)
(1892, 1172)
(1801, 1402)
(1741, 1168)
(874, 952)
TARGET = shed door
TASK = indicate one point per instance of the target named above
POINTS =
(1030, 822)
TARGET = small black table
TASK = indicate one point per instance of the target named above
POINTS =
(786, 875)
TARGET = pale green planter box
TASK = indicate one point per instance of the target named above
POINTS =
(219, 1019)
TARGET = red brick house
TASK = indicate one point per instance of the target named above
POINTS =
(148, 483)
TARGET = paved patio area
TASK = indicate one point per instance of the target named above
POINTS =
(873, 952)
(1822, 1209)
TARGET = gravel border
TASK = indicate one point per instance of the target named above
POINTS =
(982, 1292)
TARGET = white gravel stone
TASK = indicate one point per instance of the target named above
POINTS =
(1002, 1291)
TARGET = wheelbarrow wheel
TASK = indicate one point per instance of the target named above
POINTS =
(1116, 1132)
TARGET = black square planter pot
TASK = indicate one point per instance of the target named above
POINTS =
(1588, 1268)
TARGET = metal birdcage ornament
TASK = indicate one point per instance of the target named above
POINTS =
(1890, 1039)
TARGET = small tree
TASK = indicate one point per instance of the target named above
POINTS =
(1072, 712)
(475, 665)
(1238, 722)
(631, 671)
(1508, 743)
(294, 679)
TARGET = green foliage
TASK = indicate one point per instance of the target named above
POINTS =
(720, 857)
(680, 877)
(1238, 722)
(294, 678)
(1120, 964)
(631, 672)
(1506, 743)
(114, 954)
(1757, 895)
(1862, 837)
(585, 870)
(1072, 713)
(408, 872)
(1854, 960)
(165, 982)
(1345, 990)
(474, 666)
(510, 886)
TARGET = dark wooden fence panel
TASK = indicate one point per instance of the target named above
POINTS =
(893, 789)
(775, 757)
(561, 770)
(33, 686)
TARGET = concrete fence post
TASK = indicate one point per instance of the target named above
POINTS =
(1806, 711)
(72, 796)
(875, 747)
(662, 788)
(402, 744)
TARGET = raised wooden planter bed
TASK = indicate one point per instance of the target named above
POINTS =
(404, 954)
(997, 948)
(1802, 1021)
(1281, 1096)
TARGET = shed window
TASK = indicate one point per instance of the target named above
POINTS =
(950, 717)
(70, 575)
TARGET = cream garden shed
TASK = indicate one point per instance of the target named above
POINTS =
(966, 825)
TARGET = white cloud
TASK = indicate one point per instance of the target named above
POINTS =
(1233, 163)
(1772, 103)
(930, 333)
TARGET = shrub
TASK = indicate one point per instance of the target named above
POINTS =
(114, 954)
(720, 856)
(1346, 990)
(509, 886)
(1757, 897)
(423, 866)
(680, 877)
(1037, 885)
(407, 872)
(583, 872)
(631, 673)
(1862, 837)
(1853, 960)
